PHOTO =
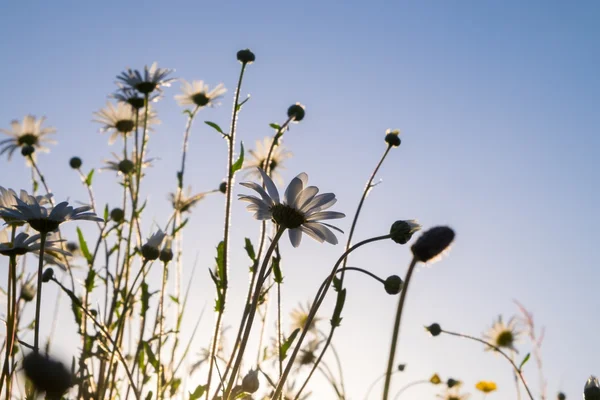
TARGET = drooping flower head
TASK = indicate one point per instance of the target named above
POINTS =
(300, 212)
(259, 159)
(151, 79)
(503, 335)
(198, 93)
(29, 133)
(591, 391)
(130, 96)
(151, 249)
(24, 244)
(8, 199)
(45, 218)
(121, 119)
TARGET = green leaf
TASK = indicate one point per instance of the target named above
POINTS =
(250, 250)
(240, 161)
(180, 227)
(216, 128)
(275, 126)
(336, 319)
(76, 311)
(220, 259)
(287, 343)
(151, 357)
(149, 395)
(88, 179)
(175, 383)
(337, 284)
(524, 361)
(196, 394)
(83, 246)
(174, 299)
(145, 298)
(239, 106)
(277, 276)
(90, 280)
(106, 212)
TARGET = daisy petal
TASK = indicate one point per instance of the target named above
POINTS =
(295, 236)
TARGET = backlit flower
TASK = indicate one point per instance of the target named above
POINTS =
(198, 93)
(24, 243)
(299, 316)
(28, 133)
(184, 202)
(131, 96)
(8, 199)
(125, 165)
(120, 120)
(486, 386)
(301, 210)
(453, 394)
(151, 79)
(151, 249)
(259, 158)
(503, 335)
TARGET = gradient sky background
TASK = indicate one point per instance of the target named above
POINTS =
(498, 107)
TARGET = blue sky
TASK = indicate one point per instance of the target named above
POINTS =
(497, 104)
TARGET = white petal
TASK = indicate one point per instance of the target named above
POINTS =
(323, 215)
(313, 233)
(305, 196)
(317, 202)
(271, 188)
(323, 230)
(295, 236)
(260, 190)
(292, 191)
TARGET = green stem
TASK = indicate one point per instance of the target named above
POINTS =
(396, 332)
(38, 300)
(320, 296)
(252, 313)
(228, 201)
(161, 332)
(516, 369)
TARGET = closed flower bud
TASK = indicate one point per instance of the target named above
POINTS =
(27, 150)
(452, 382)
(561, 396)
(47, 275)
(27, 293)
(223, 187)
(297, 112)
(166, 254)
(75, 162)
(402, 231)
(591, 390)
(246, 56)
(117, 215)
(393, 284)
(126, 166)
(392, 137)
(47, 375)
(151, 250)
(434, 329)
(432, 243)
(250, 382)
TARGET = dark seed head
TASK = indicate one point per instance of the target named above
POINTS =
(297, 112)
(246, 56)
(433, 242)
(75, 162)
(27, 150)
(435, 329)
(47, 375)
(393, 284)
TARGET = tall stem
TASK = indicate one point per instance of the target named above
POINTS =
(228, 196)
(38, 300)
(396, 332)
(159, 392)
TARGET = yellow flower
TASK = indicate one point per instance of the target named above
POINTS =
(435, 379)
(486, 386)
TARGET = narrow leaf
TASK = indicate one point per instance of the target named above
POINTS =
(277, 276)
(84, 247)
(215, 127)
(275, 126)
(524, 361)
(151, 357)
(250, 250)
(196, 394)
(336, 319)
(287, 343)
(240, 161)
(88, 179)
(90, 280)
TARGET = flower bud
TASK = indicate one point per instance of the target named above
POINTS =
(434, 329)
(166, 254)
(452, 382)
(223, 187)
(47, 375)
(246, 56)
(151, 250)
(432, 243)
(75, 162)
(297, 112)
(402, 231)
(72, 247)
(591, 390)
(435, 379)
(47, 275)
(561, 396)
(250, 382)
(27, 293)
(392, 138)
(126, 166)
(393, 284)
(27, 150)
(117, 215)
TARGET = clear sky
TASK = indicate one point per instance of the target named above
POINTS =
(498, 107)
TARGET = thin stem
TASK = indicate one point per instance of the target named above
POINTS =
(10, 323)
(161, 332)
(228, 201)
(499, 350)
(252, 313)
(320, 296)
(280, 359)
(396, 332)
(38, 302)
(408, 386)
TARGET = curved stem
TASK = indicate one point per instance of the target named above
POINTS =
(396, 332)
(499, 350)
(408, 386)
(228, 195)
(320, 296)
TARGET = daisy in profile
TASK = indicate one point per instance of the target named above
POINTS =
(24, 244)
(28, 133)
(503, 335)
(199, 94)
(125, 166)
(8, 199)
(120, 120)
(486, 386)
(184, 202)
(131, 96)
(259, 159)
(299, 316)
(301, 211)
(46, 218)
(453, 394)
(151, 79)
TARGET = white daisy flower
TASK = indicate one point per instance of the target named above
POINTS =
(503, 335)
(24, 243)
(130, 96)
(8, 199)
(28, 133)
(46, 219)
(198, 93)
(125, 165)
(120, 120)
(152, 79)
(259, 158)
(301, 211)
